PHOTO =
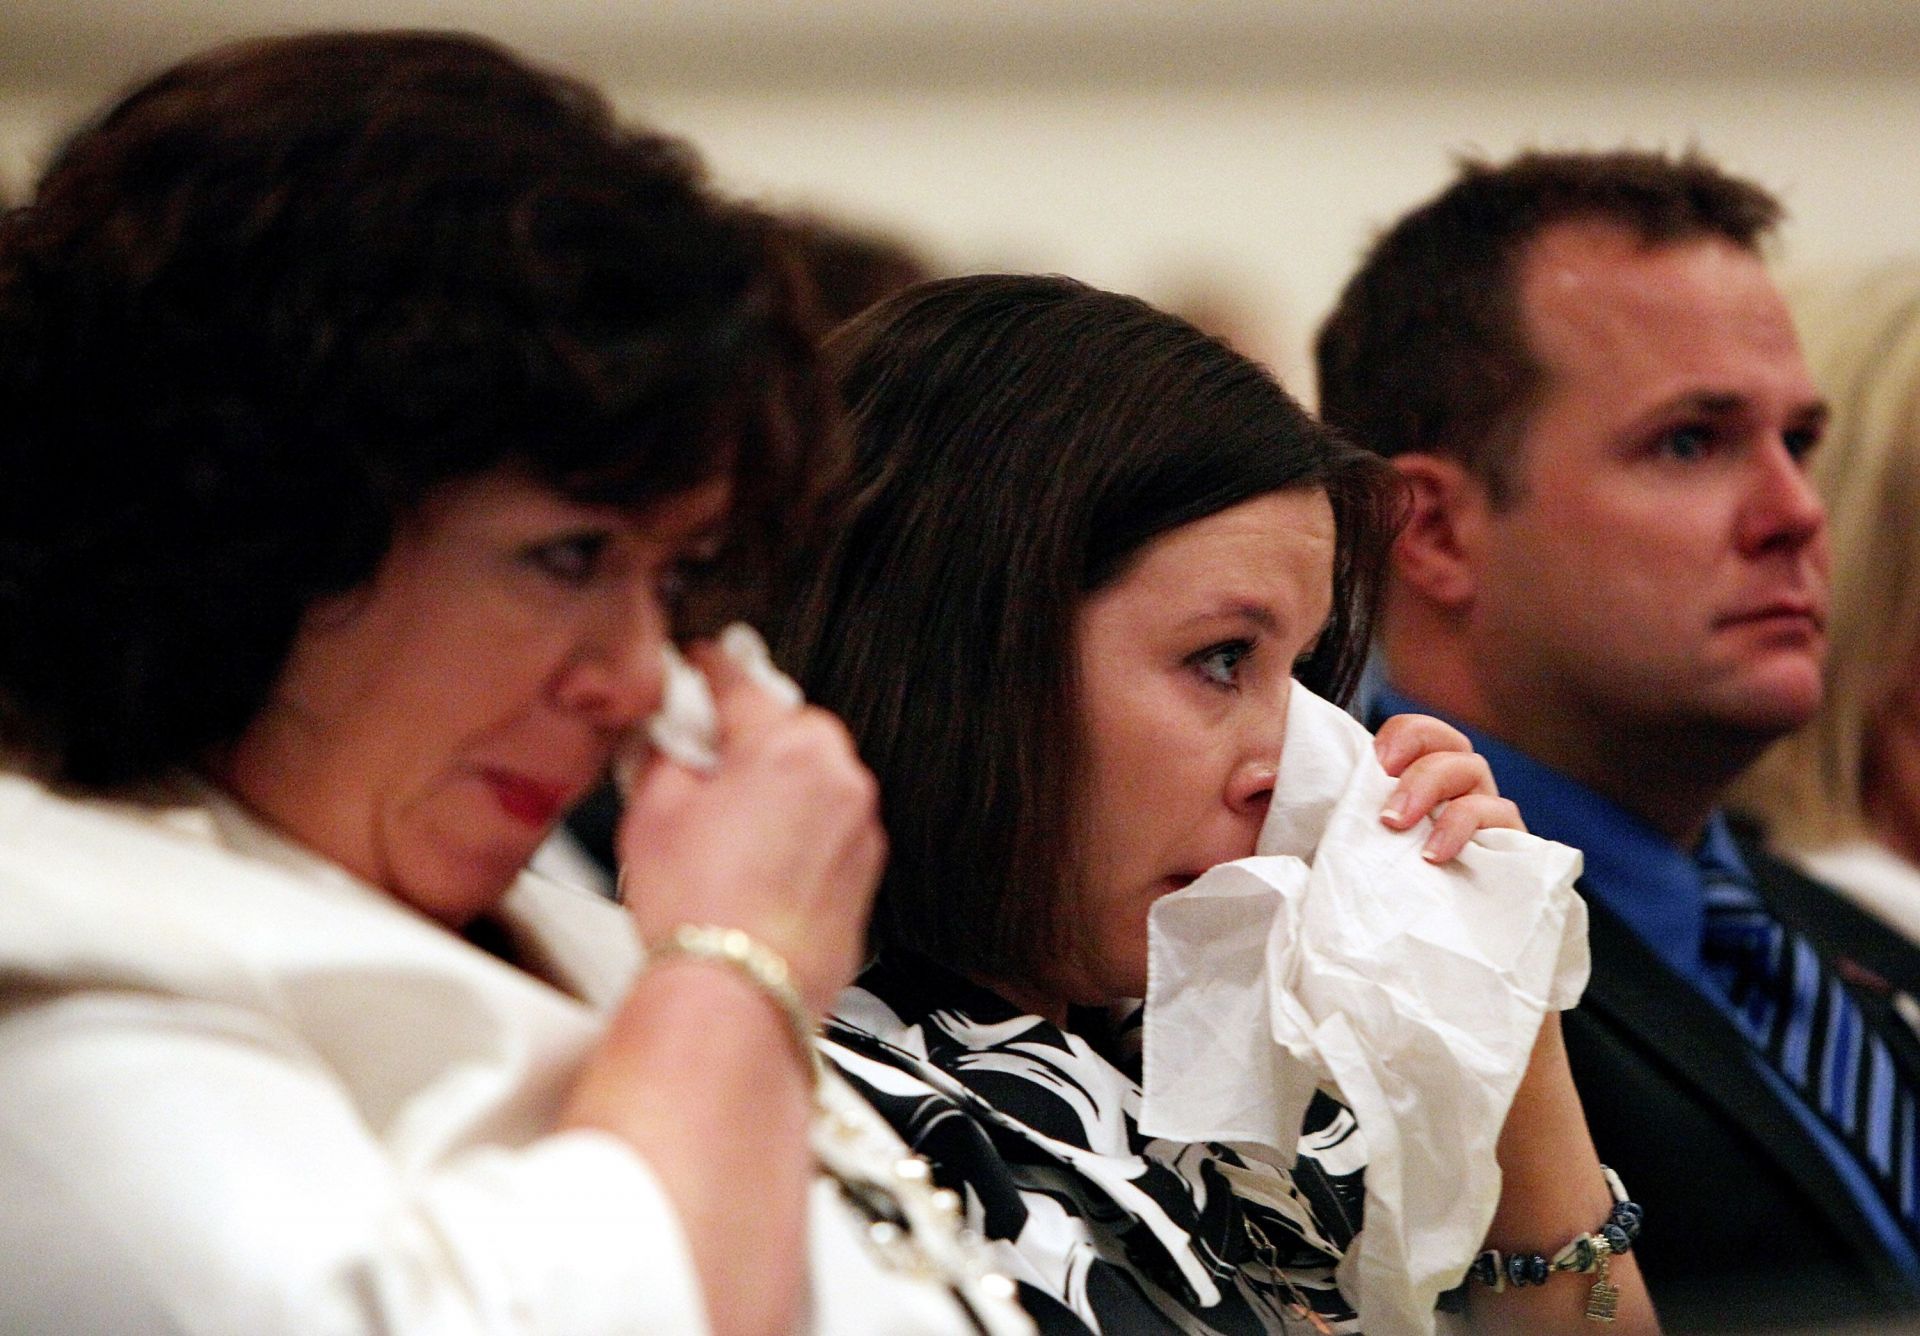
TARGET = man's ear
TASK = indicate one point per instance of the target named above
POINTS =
(1436, 556)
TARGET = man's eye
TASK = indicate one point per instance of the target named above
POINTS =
(1689, 442)
(571, 560)
(1220, 664)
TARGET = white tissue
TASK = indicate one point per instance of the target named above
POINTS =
(686, 727)
(1340, 958)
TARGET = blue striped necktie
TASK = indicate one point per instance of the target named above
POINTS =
(1807, 1022)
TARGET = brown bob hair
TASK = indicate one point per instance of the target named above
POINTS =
(1018, 442)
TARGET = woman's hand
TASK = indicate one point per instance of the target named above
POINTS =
(1443, 777)
(781, 839)
(698, 1070)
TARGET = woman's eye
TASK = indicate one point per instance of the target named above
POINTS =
(570, 560)
(1220, 664)
(687, 573)
(677, 581)
(1687, 443)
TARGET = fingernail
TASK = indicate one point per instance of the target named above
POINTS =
(1395, 812)
(746, 647)
(743, 644)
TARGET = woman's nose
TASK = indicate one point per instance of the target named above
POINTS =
(616, 676)
(1260, 731)
(1250, 787)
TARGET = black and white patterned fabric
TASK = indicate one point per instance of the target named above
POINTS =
(1104, 1229)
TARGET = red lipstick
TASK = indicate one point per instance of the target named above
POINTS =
(525, 800)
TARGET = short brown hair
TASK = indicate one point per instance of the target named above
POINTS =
(1426, 350)
(1019, 441)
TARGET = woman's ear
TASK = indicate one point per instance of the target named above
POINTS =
(1436, 556)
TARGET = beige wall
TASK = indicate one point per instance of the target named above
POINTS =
(1279, 190)
(1262, 176)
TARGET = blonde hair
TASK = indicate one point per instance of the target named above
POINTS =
(1862, 338)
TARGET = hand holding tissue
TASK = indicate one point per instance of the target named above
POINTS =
(686, 727)
(1339, 958)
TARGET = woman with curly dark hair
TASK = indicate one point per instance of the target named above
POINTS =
(369, 403)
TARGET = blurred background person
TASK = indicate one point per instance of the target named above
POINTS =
(373, 404)
(850, 267)
(1840, 798)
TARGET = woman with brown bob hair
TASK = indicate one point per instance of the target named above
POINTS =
(1086, 552)
(373, 403)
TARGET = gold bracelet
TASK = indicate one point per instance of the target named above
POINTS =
(762, 966)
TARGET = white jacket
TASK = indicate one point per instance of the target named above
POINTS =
(241, 1091)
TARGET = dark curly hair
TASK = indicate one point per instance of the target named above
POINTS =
(1426, 349)
(1019, 442)
(274, 298)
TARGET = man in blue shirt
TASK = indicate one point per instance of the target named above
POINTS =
(1614, 578)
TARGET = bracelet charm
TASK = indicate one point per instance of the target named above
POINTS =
(1583, 1255)
(1604, 1297)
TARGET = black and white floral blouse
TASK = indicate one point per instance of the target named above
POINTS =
(1104, 1229)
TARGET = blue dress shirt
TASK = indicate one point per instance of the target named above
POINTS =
(1655, 887)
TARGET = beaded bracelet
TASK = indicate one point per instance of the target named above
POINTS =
(1585, 1254)
(759, 963)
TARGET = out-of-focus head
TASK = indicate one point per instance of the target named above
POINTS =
(1582, 367)
(1862, 337)
(1026, 448)
(304, 332)
(849, 268)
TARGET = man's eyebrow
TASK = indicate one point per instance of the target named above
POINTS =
(1814, 415)
(1726, 403)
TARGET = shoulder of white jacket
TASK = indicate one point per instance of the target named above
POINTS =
(105, 893)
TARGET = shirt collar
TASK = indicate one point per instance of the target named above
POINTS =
(1636, 872)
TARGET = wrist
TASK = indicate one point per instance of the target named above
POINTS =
(735, 954)
(1584, 1254)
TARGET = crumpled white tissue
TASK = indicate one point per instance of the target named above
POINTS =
(686, 727)
(1340, 958)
